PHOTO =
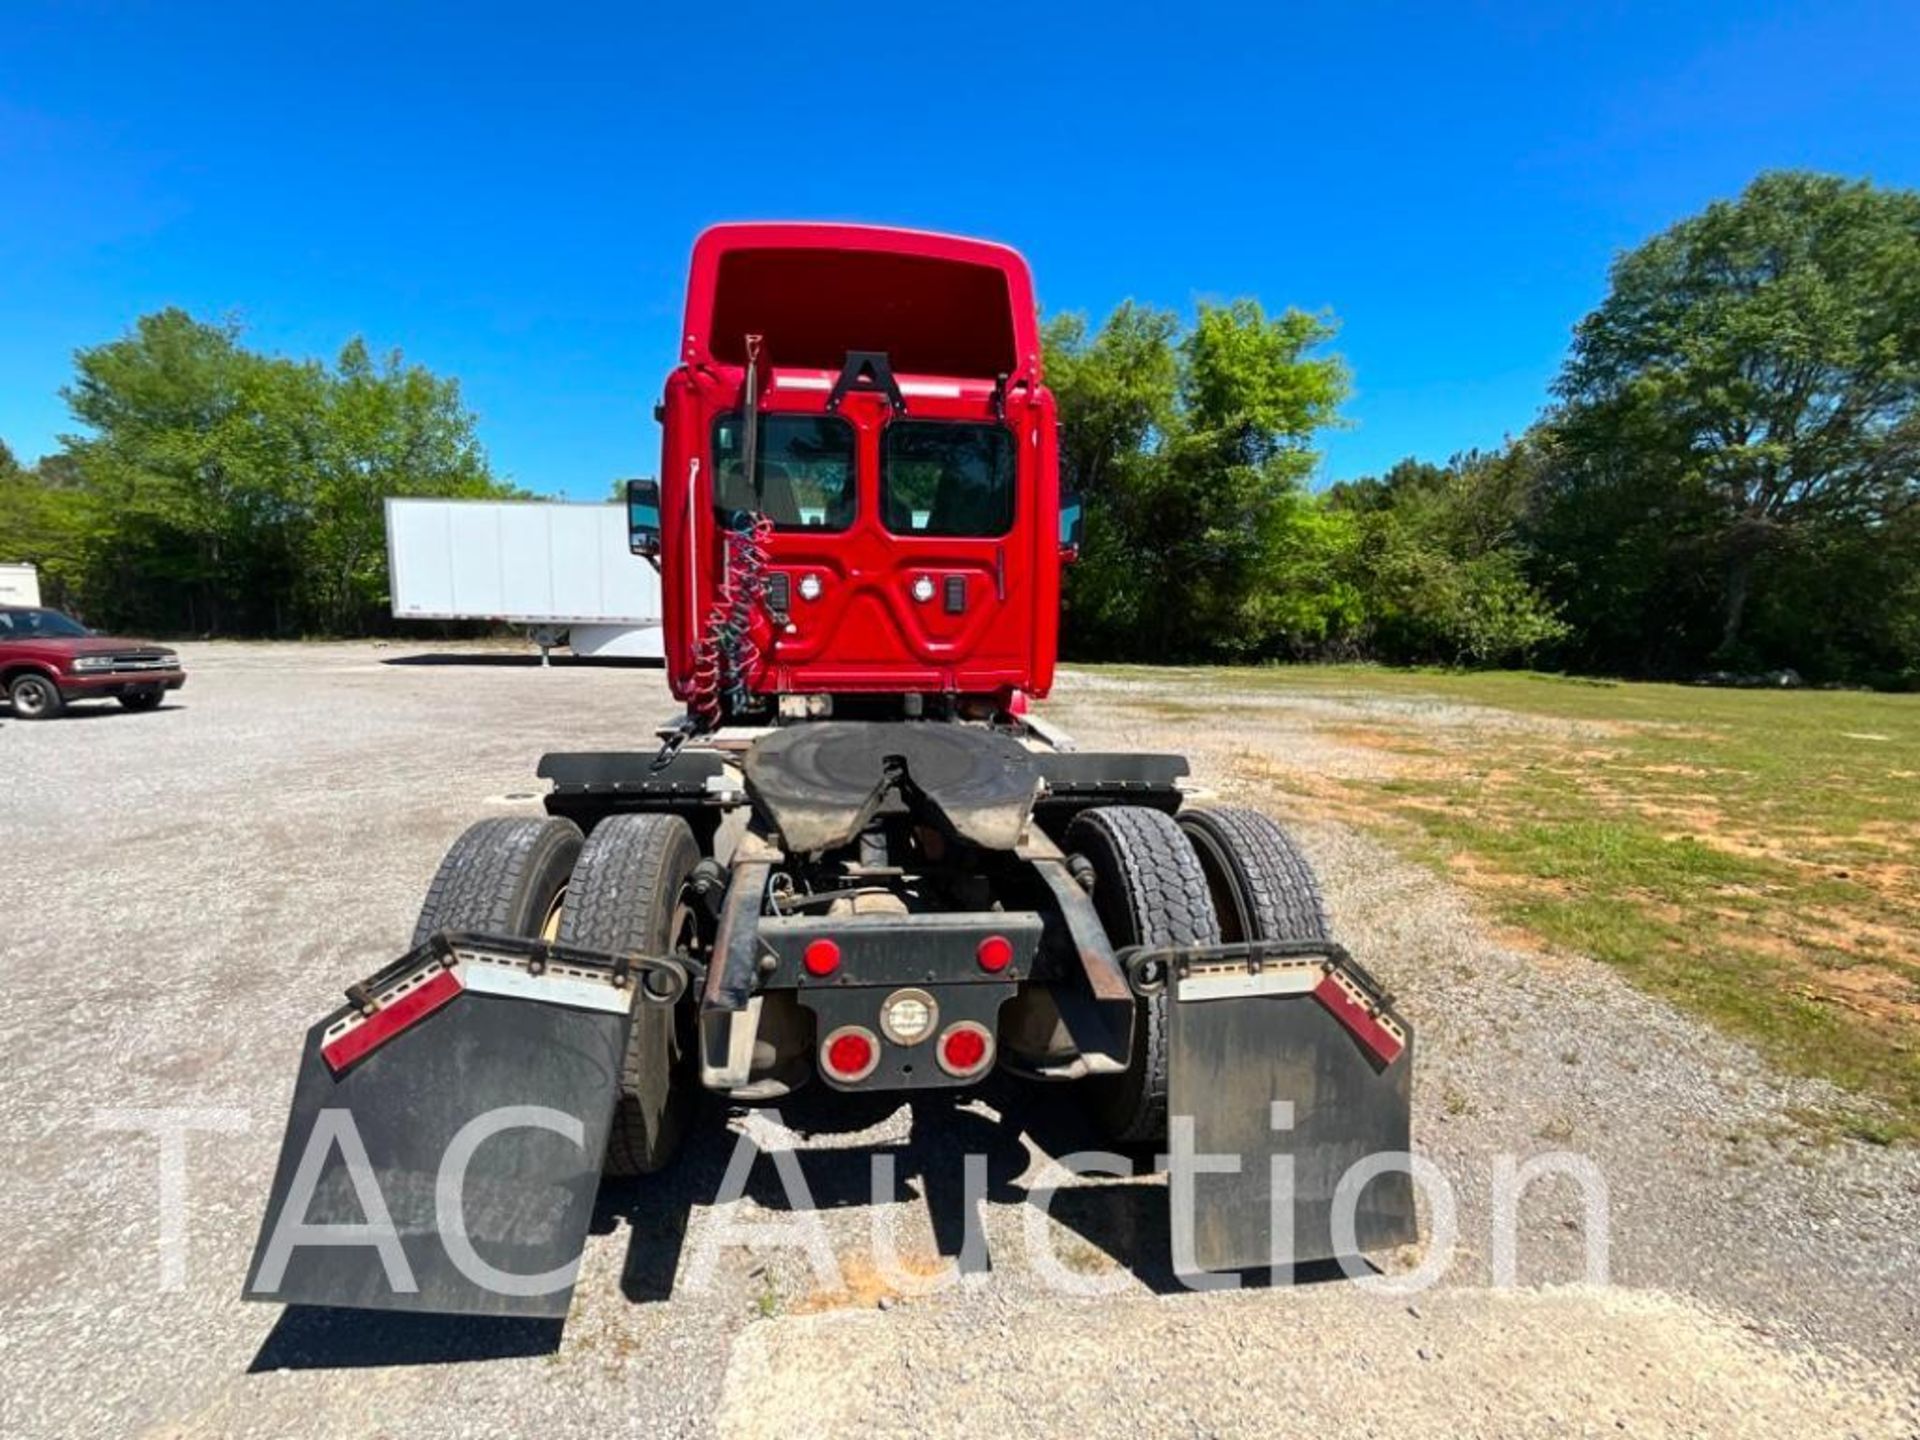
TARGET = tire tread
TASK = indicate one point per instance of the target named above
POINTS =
(1164, 901)
(621, 898)
(485, 881)
(1282, 892)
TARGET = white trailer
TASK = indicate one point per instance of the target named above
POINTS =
(563, 571)
(19, 585)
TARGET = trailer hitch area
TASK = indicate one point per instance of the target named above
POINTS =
(1288, 1102)
(448, 1127)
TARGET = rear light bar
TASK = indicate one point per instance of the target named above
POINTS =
(894, 950)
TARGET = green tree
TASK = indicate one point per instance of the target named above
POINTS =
(387, 430)
(45, 518)
(218, 490)
(1739, 411)
(1116, 391)
(1191, 452)
(1440, 563)
(1255, 552)
(195, 459)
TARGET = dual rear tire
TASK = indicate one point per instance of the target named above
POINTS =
(1220, 874)
(1210, 875)
(622, 889)
(502, 877)
(1148, 889)
(1262, 887)
(630, 892)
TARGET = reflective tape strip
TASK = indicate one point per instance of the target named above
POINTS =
(930, 390)
(802, 382)
(1378, 1035)
(548, 988)
(376, 1029)
(1232, 981)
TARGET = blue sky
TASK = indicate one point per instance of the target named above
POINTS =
(508, 195)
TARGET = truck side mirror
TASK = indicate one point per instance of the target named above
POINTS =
(1073, 524)
(643, 518)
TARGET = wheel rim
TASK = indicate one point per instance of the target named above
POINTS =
(31, 697)
(550, 926)
(683, 938)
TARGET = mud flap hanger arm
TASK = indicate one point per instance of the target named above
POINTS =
(1319, 968)
(1147, 965)
(662, 979)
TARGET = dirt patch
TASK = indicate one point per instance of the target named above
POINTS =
(865, 1286)
(1467, 1362)
(1874, 993)
(1875, 943)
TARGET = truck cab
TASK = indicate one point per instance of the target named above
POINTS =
(896, 505)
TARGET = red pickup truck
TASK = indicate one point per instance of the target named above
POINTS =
(48, 659)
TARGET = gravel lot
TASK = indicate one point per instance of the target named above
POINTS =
(187, 890)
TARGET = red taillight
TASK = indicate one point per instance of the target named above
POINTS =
(995, 953)
(965, 1049)
(822, 957)
(850, 1053)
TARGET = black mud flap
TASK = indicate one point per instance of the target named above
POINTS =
(448, 1128)
(1287, 1072)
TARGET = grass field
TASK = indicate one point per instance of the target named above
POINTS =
(1752, 856)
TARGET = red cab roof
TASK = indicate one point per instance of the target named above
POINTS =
(936, 304)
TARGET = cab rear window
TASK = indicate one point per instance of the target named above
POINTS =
(947, 478)
(803, 471)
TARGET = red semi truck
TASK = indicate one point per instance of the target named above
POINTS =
(858, 861)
